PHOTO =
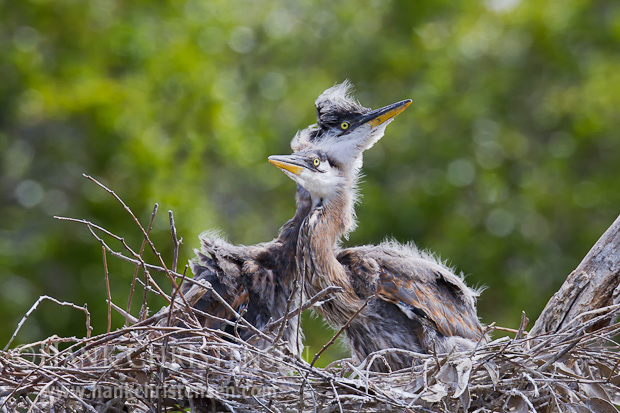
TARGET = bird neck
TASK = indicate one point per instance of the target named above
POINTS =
(290, 230)
(334, 216)
(287, 238)
(327, 222)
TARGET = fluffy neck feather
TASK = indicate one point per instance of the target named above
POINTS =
(329, 219)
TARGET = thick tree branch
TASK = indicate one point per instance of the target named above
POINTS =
(593, 284)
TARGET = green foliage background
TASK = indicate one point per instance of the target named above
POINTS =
(506, 164)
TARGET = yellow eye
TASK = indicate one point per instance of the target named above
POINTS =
(316, 161)
(344, 125)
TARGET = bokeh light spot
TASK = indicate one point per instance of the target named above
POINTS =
(561, 145)
(461, 172)
(500, 222)
(29, 193)
(242, 40)
(273, 85)
(26, 39)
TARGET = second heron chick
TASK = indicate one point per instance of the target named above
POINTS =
(394, 296)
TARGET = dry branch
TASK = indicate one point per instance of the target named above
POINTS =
(593, 284)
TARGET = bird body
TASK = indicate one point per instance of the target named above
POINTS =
(256, 280)
(429, 307)
(394, 296)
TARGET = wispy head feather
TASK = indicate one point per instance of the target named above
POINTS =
(335, 100)
(332, 106)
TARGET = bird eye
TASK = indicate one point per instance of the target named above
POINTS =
(316, 161)
(344, 125)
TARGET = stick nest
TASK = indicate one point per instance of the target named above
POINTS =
(167, 362)
(150, 367)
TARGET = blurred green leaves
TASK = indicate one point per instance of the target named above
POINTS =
(506, 164)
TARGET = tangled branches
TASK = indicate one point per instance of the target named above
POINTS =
(137, 368)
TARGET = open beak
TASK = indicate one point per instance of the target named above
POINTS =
(291, 163)
(384, 114)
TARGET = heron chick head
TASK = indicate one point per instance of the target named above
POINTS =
(344, 128)
(313, 171)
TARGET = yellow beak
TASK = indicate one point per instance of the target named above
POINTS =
(379, 116)
(295, 169)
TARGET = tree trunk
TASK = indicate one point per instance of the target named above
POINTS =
(593, 284)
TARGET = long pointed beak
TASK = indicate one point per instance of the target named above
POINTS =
(290, 163)
(384, 114)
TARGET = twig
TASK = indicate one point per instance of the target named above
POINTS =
(34, 307)
(344, 327)
(524, 321)
(135, 272)
(170, 311)
(286, 316)
(144, 308)
(505, 329)
(301, 273)
(43, 390)
(598, 314)
(124, 313)
(336, 395)
(228, 307)
(176, 242)
(487, 330)
(263, 405)
(562, 353)
(174, 294)
(107, 287)
(76, 397)
(317, 297)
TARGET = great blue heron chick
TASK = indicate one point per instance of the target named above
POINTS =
(416, 303)
(259, 278)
